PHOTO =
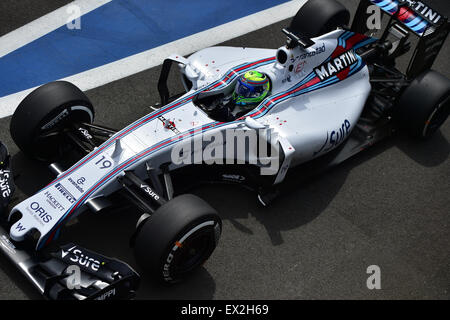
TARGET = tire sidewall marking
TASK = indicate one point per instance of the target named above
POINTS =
(169, 259)
(61, 114)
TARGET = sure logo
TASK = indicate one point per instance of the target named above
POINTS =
(149, 191)
(82, 259)
(85, 133)
(335, 137)
(5, 190)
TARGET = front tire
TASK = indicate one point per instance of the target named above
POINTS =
(38, 121)
(177, 238)
(424, 105)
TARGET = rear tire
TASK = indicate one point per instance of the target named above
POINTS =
(38, 121)
(318, 17)
(177, 238)
(424, 105)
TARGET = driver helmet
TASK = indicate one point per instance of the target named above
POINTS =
(251, 88)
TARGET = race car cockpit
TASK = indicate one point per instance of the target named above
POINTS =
(237, 99)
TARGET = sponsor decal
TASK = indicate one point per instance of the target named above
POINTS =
(79, 257)
(107, 295)
(335, 137)
(5, 189)
(288, 79)
(233, 177)
(39, 212)
(316, 51)
(20, 227)
(65, 193)
(300, 67)
(85, 133)
(423, 9)
(55, 120)
(149, 191)
(77, 184)
(53, 202)
(336, 65)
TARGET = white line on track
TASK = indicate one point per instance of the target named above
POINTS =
(45, 24)
(136, 63)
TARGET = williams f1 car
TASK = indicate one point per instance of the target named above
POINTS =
(332, 91)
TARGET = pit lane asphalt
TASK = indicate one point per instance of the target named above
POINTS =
(387, 206)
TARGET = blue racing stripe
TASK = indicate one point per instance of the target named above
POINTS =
(392, 8)
(414, 22)
(364, 43)
(420, 27)
(384, 3)
(345, 37)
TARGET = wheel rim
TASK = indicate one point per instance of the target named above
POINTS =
(191, 250)
(194, 251)
(437, 117)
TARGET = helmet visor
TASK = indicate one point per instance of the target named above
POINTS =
(248, 91)
(244, 90)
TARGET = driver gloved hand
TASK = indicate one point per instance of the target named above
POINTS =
(7, 186)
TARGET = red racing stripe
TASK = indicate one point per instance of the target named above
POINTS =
(404, 14)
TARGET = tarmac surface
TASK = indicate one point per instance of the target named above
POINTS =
(387, 206)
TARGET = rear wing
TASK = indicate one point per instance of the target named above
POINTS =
(415, 15)
(430, 26)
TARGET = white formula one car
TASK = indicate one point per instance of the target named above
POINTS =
(329, 93)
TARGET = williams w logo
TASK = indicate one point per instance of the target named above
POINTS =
(20, 227)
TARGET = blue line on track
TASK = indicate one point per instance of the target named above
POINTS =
(115, 31)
